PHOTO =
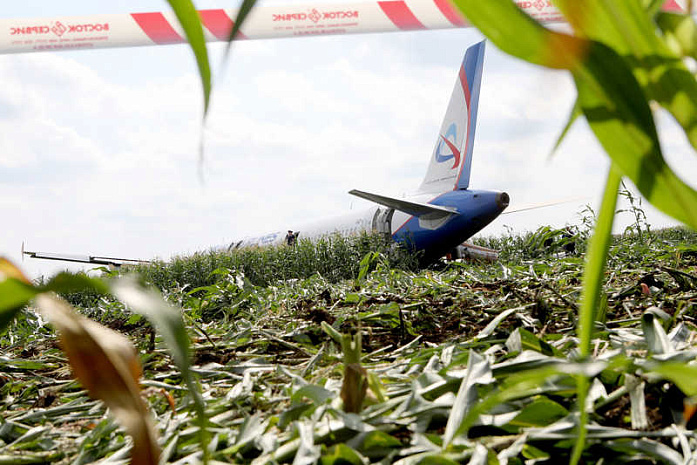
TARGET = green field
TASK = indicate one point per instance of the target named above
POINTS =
(465, 362)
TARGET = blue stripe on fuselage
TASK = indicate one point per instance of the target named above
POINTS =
(476, 209)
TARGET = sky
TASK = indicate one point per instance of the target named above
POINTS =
(99, 148)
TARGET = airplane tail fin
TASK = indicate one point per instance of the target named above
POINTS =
(449, 167)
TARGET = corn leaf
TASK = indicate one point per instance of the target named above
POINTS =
(14, 294)
(626, 27)
(541, 412)
(684, 376)
(15, 291)
(610, 96)
(573, 116)
(69, 282)
(519, 35)
(106, 364)
(680, 32)
(656, 337)
(169, 324)
(191, 23)
(478, 372)
(621, 119)
(593, 274)
(242, 14)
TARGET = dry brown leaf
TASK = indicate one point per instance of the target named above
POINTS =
(106, 364)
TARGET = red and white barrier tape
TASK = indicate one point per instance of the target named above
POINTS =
(128, 30)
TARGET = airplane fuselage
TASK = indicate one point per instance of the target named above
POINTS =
(472, 211)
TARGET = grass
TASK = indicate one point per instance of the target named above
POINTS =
(493, 342)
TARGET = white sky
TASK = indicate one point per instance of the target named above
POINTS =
(98, 149)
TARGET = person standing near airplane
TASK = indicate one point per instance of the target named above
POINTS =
(290, 238)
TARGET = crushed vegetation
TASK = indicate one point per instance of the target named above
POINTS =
(467, 363)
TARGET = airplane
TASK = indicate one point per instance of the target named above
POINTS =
(443, 213)
(435, 220)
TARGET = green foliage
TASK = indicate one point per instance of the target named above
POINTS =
(544, 242)
(473, 360)
(470, 364)
(615, 63)
(169, 323)
(86, 343)
(622, 55)
(640, 224)
(334, 258)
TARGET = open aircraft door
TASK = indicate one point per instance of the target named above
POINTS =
(382, 221)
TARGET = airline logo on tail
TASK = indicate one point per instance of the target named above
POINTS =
(448, 140)
(450, 162)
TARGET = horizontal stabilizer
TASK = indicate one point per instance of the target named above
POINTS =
(430, 216)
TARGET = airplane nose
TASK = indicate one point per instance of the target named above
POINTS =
(502, 200)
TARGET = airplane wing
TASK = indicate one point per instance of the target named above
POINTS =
(430, 216)
(94, 259)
